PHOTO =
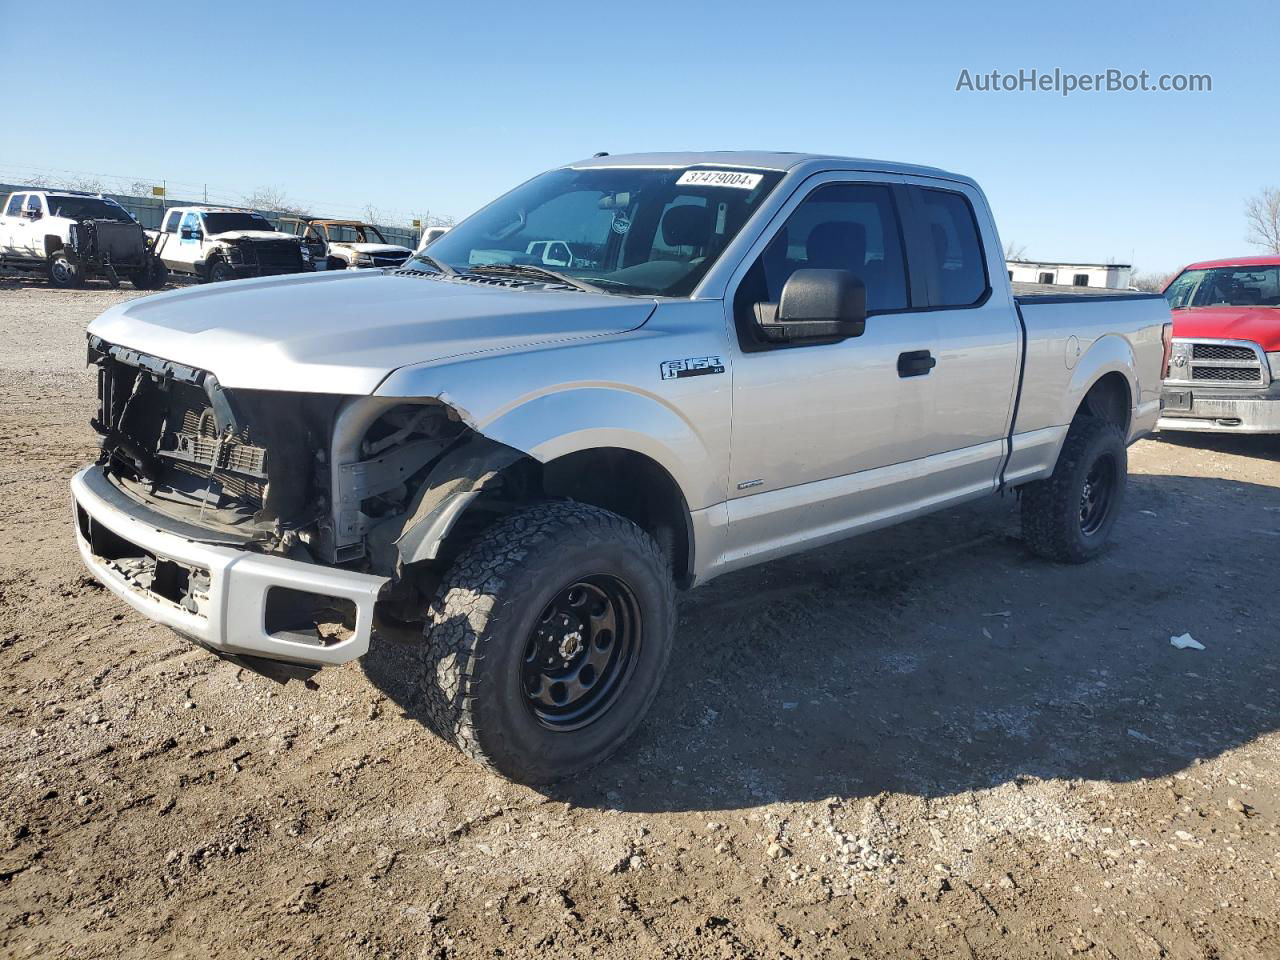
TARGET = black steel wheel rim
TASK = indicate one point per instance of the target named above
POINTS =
(61, 270)
(1097, 494)
(580, 653)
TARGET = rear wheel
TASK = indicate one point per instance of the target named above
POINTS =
(1069, 516)
(64, 271)
(547, 641)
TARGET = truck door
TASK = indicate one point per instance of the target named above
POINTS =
(978, 341)
(31, 234)
(9, 224)
(833, 437)
(190, 240)
(167, 240)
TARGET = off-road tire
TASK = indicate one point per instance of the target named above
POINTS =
(218, 271)
(480, 622)
(153, 276)
(64, 272)
(1051, 509)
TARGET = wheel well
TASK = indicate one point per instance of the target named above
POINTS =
(631, 485)
(1109, 399)
(52, 245)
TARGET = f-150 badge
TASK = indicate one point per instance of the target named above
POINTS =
(690, 367)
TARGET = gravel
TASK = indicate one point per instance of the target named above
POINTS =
(851, 755)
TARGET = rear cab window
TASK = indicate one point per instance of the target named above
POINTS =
(958, 272)
(14, 208)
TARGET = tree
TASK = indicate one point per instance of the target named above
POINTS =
(1262, 214)
(275, 200)
(1015, 251)
(1153, 281)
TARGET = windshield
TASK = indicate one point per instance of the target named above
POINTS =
(1226, 286)
(363, 233)
(223, 222)
(634, 230)
(87, 208)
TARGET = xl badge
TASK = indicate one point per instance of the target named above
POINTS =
(690, 367)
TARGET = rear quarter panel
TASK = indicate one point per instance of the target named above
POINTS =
(1072, 343)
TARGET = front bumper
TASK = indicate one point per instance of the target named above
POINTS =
(246, 270)
(230, 614)
(1225, 415)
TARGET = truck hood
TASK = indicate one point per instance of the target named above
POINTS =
(1259, 324)
(253, 235)
(344, 332)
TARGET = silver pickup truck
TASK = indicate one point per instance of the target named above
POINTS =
(516, 464)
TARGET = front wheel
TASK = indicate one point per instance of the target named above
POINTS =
(1069, 516)
(547, 641)
(219, 270)
(64, 271)
(153, 275)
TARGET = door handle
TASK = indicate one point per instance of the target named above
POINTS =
(916, 363)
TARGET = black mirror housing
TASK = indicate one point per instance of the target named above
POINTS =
(818, 305)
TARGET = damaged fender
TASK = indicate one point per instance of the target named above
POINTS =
(460, 476)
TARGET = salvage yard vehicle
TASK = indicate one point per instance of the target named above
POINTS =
(71, 236)
(431, 235)
(1224, 374)
(224, 243)
(519, 466)
(347, 244)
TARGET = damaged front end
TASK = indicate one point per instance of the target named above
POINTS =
(338, 506)
(255, 257)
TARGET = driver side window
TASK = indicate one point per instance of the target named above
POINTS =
(191, 222)
(839, 226)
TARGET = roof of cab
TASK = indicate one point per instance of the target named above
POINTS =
(1267, 260)
(765, 160)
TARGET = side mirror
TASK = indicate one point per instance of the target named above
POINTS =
(190, 233)
(816, 305)
(32, 214)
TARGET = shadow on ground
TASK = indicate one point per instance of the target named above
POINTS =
(1261, 446)
(938, 657)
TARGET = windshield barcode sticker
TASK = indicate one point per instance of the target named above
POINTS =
(719, 178)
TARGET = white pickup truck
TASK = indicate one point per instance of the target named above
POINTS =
(751, 354)
(71, 236)
(346, 244)
(224, 243)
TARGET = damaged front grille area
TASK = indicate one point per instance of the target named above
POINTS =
(174, 438)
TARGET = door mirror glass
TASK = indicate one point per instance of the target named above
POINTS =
(816, 304)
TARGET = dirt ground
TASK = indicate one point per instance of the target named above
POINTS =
(922, 743)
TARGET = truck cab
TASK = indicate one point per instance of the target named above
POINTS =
(1224, 372)
(226, 243)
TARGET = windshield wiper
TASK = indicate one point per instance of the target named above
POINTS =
(431, 261)
(534, 272)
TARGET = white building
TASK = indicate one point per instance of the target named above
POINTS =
(1108, 276)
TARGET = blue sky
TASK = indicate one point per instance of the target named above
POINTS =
(417, 107)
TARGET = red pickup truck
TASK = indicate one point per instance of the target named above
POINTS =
(1224, 372)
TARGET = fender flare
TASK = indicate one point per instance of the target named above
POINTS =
(556, 424)
(1110, 353)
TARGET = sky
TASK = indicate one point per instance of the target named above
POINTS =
(420, 109)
